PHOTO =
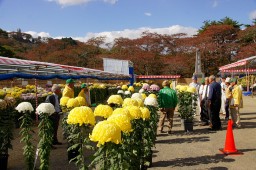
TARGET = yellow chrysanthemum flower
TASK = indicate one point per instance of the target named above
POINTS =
(81, 101)
(183, 88)
(178, 87)
(72, 102)
(134, 111)
(81, 115)
(121, 111)
(144, 96)
(103, 111)
(191, 89)
(123, 121)
(152, 95)
(140, 102)
(106, 131)
(115, 99)
(124, 87)
(64, 101)
(145, 113)
(130, 102)
(131, 89)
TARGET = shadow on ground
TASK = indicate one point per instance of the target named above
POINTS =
(184, 140)
(193, 161)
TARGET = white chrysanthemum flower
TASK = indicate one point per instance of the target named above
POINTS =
(24, 106)
(127, 93)
(150, 101)
(141, 91)
(120, 92)
(137, 96)
(47, 108)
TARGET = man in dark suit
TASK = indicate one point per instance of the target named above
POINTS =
(55, 117)
(214, 103)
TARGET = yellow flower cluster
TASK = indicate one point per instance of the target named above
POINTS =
(140, 102)
(3, 104)
(183, 88)
(64, 101)
(115, 99)
(81, 115)
(124, 87)
(72, 102)
(143, 96)
(152, 95)
(81, 101)
(103, 111)
(145, 113)
(130, 102)
(106, 131)
(121, 111)
(131, 89)
(134, 111)
(122, 120)
(191, 89)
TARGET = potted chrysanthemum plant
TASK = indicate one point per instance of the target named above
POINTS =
(44, 110)
(26, 109)
(80, 119)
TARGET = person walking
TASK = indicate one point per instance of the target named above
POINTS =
(69, 89)
(214, 103)
(85, 94)
(55, 117)
(204, 115)
(223, 94)
(167, 100)
(228, 93)
(236, 102)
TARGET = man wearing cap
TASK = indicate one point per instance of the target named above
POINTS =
(197, 86)
(167, 100)
(69, 89)
(228, 93)
(236, 102)
(85, 94)
(214, 103)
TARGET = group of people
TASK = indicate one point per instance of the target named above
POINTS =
(215, 96)
(212, 96)
(54, 99)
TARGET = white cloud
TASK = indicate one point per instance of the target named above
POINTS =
(252, 15)
(37, 34)
(77, 2)
(215, 4)
(136, 33)
(147, 14)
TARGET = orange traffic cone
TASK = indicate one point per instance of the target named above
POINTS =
(230, 147)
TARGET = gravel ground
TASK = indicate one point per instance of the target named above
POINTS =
(194, 150)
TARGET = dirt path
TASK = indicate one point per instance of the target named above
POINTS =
(196, 150)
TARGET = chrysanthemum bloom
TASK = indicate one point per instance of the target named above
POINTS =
(141, 90)
(64, 101)
(81, 115)
(136, 95)
(130, 102)
(3, 104)
(143, 96)
(127, 93)
(134, 111)
(154, 87)
(46, 108)
(146, 86)
(24, 106)
(152, 95)
(10, 101)
(178, 87)
(183, 88)
(115, 99)
(72, 102)
(140, 102)
(106, 131)
(145, 113)
(123, 121)
(81, 101)
(131, 89)
(103, 111)
(102, 86)
(120, 92)
(150, 101)
(191, 89)
(121, 111)
(124, 87)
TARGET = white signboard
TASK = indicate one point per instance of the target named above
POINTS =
(116, 66)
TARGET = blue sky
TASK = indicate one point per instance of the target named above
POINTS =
(83, 19)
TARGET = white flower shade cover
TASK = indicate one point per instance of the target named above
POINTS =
(136, 96)
(127, 92)
(24, 106)
(47, 108)
(120, 92)
(150, 101)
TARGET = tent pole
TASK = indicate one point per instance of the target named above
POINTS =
(36, 68)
